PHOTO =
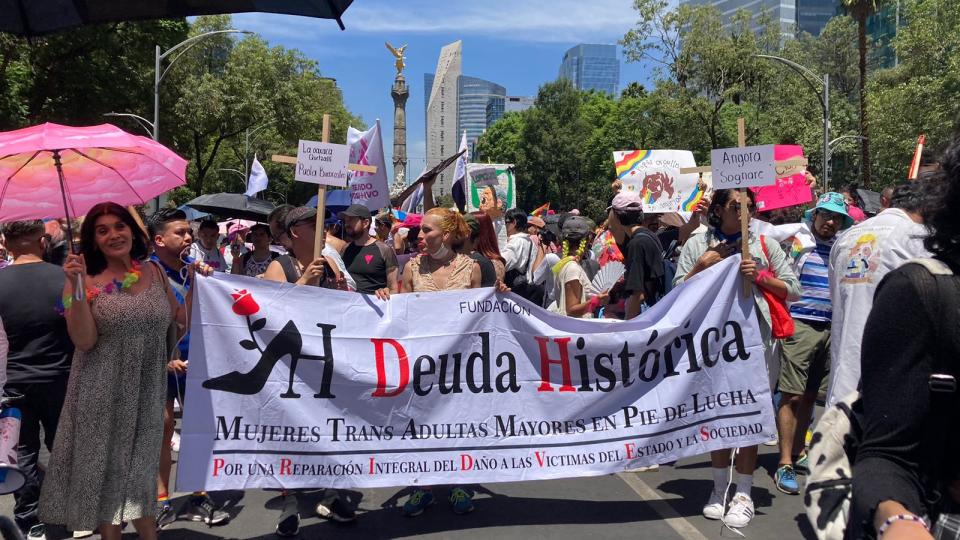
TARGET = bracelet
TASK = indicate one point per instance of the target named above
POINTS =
(900, 517)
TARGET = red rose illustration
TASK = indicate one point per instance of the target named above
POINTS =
(243, 303)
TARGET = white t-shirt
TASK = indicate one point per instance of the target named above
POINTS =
(858, 261)
(211, 257)
(572, 271)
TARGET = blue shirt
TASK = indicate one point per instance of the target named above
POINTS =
(814, 303)
(180, 288)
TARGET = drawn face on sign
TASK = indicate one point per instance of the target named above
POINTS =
(489, 200)
(656, 184)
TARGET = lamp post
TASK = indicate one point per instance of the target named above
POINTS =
(844, 137)
(158, 76)
(824, 96)
(141, 121)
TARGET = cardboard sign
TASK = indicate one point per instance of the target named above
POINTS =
(501, 194)
(486, 176)
(322, 163)
(789, 189)
(655, 176)
(749, 166)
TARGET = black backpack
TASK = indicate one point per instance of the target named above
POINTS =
(520, 284)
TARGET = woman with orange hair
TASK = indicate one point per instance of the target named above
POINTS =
(439, 267)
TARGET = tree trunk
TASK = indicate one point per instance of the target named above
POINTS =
(864, 132)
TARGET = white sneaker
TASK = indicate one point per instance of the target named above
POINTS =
(714, 507)
(649, 468)
(175, 442)
(740, 512)
(82, 534)
(772, 442)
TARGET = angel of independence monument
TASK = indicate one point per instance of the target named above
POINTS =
(399, 93)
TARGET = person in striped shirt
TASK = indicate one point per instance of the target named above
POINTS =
(805, 356)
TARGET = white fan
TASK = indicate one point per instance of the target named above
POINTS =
(606, 278)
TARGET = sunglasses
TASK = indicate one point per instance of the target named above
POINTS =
(735, 206)
(828, 215)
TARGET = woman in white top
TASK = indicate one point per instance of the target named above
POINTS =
(571, 281)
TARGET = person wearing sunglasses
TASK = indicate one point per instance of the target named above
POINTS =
(765, 266)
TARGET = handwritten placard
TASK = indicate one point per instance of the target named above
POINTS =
(322, 163)
(791, 188)
(750, 166)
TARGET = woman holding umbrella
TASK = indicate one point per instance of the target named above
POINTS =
(103, 469)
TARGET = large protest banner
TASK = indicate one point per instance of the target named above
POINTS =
(305, 387)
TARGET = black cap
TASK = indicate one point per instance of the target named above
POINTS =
(356, 210)
(299, 214)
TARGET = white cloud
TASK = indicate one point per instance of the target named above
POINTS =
(520, 20)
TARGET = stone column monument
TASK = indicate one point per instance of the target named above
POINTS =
(400, 93)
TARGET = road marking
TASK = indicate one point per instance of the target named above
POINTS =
(660, 505)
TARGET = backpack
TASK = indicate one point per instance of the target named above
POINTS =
(829, 491)
(520, 282)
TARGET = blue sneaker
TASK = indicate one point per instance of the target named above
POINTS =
(460, 501)
(786, 480)
(417, 503)
(802, 464)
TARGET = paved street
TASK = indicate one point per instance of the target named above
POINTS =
(658, 505)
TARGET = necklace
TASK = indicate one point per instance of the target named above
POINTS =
(114, 286)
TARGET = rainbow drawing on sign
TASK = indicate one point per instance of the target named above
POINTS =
(647, 196)
(628, 164)
(690, 204)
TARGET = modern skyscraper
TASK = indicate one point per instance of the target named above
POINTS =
(592, 67)
(441, 108)
(477, 96)
(794, 16)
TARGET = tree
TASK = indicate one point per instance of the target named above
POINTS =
(861, 10)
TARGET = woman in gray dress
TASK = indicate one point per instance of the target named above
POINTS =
(103, 469)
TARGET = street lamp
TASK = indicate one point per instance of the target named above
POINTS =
(246, 146)
(843, 137)
(824, 96)
(158, 78)
(141, 121)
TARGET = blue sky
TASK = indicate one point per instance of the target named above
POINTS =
(516, 43)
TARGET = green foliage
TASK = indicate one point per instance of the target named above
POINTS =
(210, 97)
(707, 77)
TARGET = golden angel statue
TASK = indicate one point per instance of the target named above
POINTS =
(398, 52)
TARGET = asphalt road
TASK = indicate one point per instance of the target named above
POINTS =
(663, 504)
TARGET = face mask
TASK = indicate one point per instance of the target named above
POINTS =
(441, 253)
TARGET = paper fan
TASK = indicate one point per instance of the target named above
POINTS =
(606, 278)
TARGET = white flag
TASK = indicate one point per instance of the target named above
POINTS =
(366, 148)
(460, 173)
(258, 179)
(409, 205)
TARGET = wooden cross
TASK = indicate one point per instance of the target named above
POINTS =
(322, 189)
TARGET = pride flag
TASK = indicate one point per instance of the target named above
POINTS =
(629, 163)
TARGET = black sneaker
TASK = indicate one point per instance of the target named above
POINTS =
(336, 510)
(201, 508)
(289, 522)
(165, 516)
(37, 532)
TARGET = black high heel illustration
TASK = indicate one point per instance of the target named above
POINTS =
(287, 342)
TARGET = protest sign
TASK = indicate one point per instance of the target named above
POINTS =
(743, 167)
(501, 192)
(655, 176)
(461, 386)
(789, 189)
(322, 163)
(368, 188)
(486, 176)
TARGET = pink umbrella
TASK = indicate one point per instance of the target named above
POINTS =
(52, 171)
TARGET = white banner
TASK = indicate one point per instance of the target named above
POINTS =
(301, 387)
(366, 148)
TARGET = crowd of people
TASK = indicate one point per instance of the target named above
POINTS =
(96, 343)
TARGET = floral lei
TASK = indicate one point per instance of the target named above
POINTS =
(114, 286)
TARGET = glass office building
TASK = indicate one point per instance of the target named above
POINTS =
(592, 67)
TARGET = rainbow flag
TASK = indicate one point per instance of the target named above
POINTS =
(627, 165)
(690, 204)
(541, 211)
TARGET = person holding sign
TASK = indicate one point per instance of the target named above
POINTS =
(301, 268)
(766, 267)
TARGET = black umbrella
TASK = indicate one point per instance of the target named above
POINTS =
(37, 17)
(233, 205)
